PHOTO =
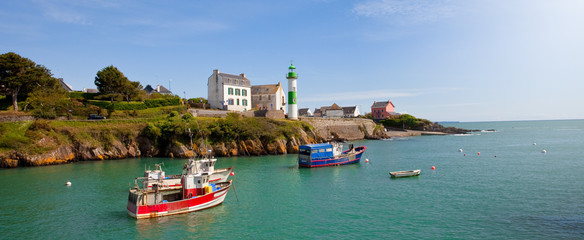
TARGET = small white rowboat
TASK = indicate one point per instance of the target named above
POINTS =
(409, 173)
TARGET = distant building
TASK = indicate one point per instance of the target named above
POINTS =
(159, 89)
(351, 112)
(90, 90)
(382, 110)
(317, 112)
(229, 92)
(65, 86)
(268, 97)
(304, 112)
(334, 111)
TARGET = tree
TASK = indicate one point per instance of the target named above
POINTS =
(112, 84)
(47, 104)
(20, 76)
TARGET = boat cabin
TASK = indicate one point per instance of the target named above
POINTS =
(319, 151)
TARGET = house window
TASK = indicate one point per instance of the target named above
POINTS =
(237, 92)
(244, 102)
(243, 92)
(230, 101)
(269, 97)
(238, 102)
(230, 91)
(282, 99)
(260, 97)
(236, 81)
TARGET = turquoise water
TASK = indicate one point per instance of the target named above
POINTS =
(519, 194)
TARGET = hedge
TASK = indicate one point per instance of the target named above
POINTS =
(120, 105)
(88, 96)
(152, 103)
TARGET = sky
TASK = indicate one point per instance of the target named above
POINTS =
(441, 60)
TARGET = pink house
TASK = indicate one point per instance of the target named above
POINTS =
(382, 110)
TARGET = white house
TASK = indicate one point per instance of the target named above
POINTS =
(305, 112)
(268, 97)
(351, 112)
(229, 92)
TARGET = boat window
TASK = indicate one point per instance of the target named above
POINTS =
(314, 151)
(304, 151)
(329, 149)
(321, 150)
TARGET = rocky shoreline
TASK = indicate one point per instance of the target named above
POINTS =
(132, 144)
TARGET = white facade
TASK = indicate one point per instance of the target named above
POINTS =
(351, 112)
(304, 112)
(229, 92)
(268, 97)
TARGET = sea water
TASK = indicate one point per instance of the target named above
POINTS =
(510, 191)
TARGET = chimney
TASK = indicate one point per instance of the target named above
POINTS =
(216, 71)
(242, 75)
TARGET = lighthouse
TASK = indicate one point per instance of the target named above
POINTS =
(292, 103)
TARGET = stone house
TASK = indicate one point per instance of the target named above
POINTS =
(382, 110)
(317, 112)
(334, 111)
(229, 92)
(268, 97)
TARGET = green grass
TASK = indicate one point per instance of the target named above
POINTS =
(165, 126)
(12, 135)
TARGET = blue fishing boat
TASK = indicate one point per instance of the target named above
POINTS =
(328, 154)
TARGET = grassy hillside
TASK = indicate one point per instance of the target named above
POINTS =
(163, 129)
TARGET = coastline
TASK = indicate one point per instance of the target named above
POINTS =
(411, 133)
(94, 142)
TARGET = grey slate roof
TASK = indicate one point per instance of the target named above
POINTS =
(265, 89)
(227, 75)
(303, 111)
(381, 104)
(162, 89)
(148, 89)
(349, 110)
(65, 86)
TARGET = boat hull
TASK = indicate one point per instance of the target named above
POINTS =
(346, 158)
(178, 207)
(410, 173)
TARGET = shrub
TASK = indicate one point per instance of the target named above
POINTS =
(152, 103)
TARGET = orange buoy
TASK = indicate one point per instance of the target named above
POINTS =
(433, 167)
(479, 153)
(465, 154)
(232, 174)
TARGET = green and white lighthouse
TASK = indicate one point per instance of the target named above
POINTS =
(292, 101)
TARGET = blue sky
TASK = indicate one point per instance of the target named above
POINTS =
(440, 60)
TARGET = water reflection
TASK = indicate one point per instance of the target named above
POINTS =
(200, 222)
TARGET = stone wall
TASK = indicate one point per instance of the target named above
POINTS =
(345, 128)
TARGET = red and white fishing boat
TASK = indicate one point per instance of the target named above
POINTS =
(193, 166)
(156, 195)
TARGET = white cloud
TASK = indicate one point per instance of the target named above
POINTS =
(63, 12)
(400, 11)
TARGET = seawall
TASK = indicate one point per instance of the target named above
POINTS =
(346, 128)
